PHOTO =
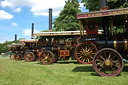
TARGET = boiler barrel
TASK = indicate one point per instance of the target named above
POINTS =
(119, 43)
(55, 49)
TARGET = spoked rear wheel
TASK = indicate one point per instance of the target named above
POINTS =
(18, 57)
(29, 56)
(85, 52)
(108, 62)
(47, 57)
(12, 56)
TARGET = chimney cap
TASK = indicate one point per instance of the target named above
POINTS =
(104, 8)
(103, 4)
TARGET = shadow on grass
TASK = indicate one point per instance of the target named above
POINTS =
(62, 62)
(91, 69)
(125, 69)
(39, 63)
(67, 62)
(83, 69)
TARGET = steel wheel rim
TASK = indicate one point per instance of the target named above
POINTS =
(29, 56)
(108, 62)
(18, 57)
(46, 58)
(85, 52)
(12, 56)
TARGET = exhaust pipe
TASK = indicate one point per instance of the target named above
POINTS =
(50, 20)
(103, 5)
(15, 38)
(32, 31)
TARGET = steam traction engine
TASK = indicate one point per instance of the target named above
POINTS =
(25, 49)
(16, 49)
(53, 46)
(104, 49)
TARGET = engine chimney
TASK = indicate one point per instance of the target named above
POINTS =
(50, 20)
(32, 31)
(15, 38)
(103, 5)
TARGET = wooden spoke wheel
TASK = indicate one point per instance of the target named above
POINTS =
(18, 57)
(12, 56)
(46, 57)
(108, 62)
(85, 52)
(29, 56)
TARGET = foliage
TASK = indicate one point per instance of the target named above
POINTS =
(67, 17)
(45, 31)
(117, 30)
(61, 73)
(3, 46)
(94, 5)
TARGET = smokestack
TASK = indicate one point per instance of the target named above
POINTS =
(32, 31)
(50, 20)
(103, 5)
(15, 38)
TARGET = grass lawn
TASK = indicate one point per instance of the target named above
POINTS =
(62, 73)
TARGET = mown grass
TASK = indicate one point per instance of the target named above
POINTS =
(61, 73)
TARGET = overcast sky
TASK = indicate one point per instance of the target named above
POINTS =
(16, 16)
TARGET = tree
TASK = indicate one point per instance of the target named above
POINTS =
(67, 17)
(3, 46)
(94, 5)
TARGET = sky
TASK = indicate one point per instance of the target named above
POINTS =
(17, 16)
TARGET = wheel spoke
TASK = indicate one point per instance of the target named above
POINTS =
(86, 49)
(18, 57)
(112, 68)
(113, 57)
(93, 53)
(91, 57)
(116, 66)
(109, 56)
(80, 51)
(82, 48)
(116, 61)
(83, 59)
(44, 55)
(88, 60)
(48, 55)
(102, 57)
(80, 57)
(89, 49)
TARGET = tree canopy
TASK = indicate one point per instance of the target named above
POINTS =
(67, 17)
(94, 5)
(3, 46)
